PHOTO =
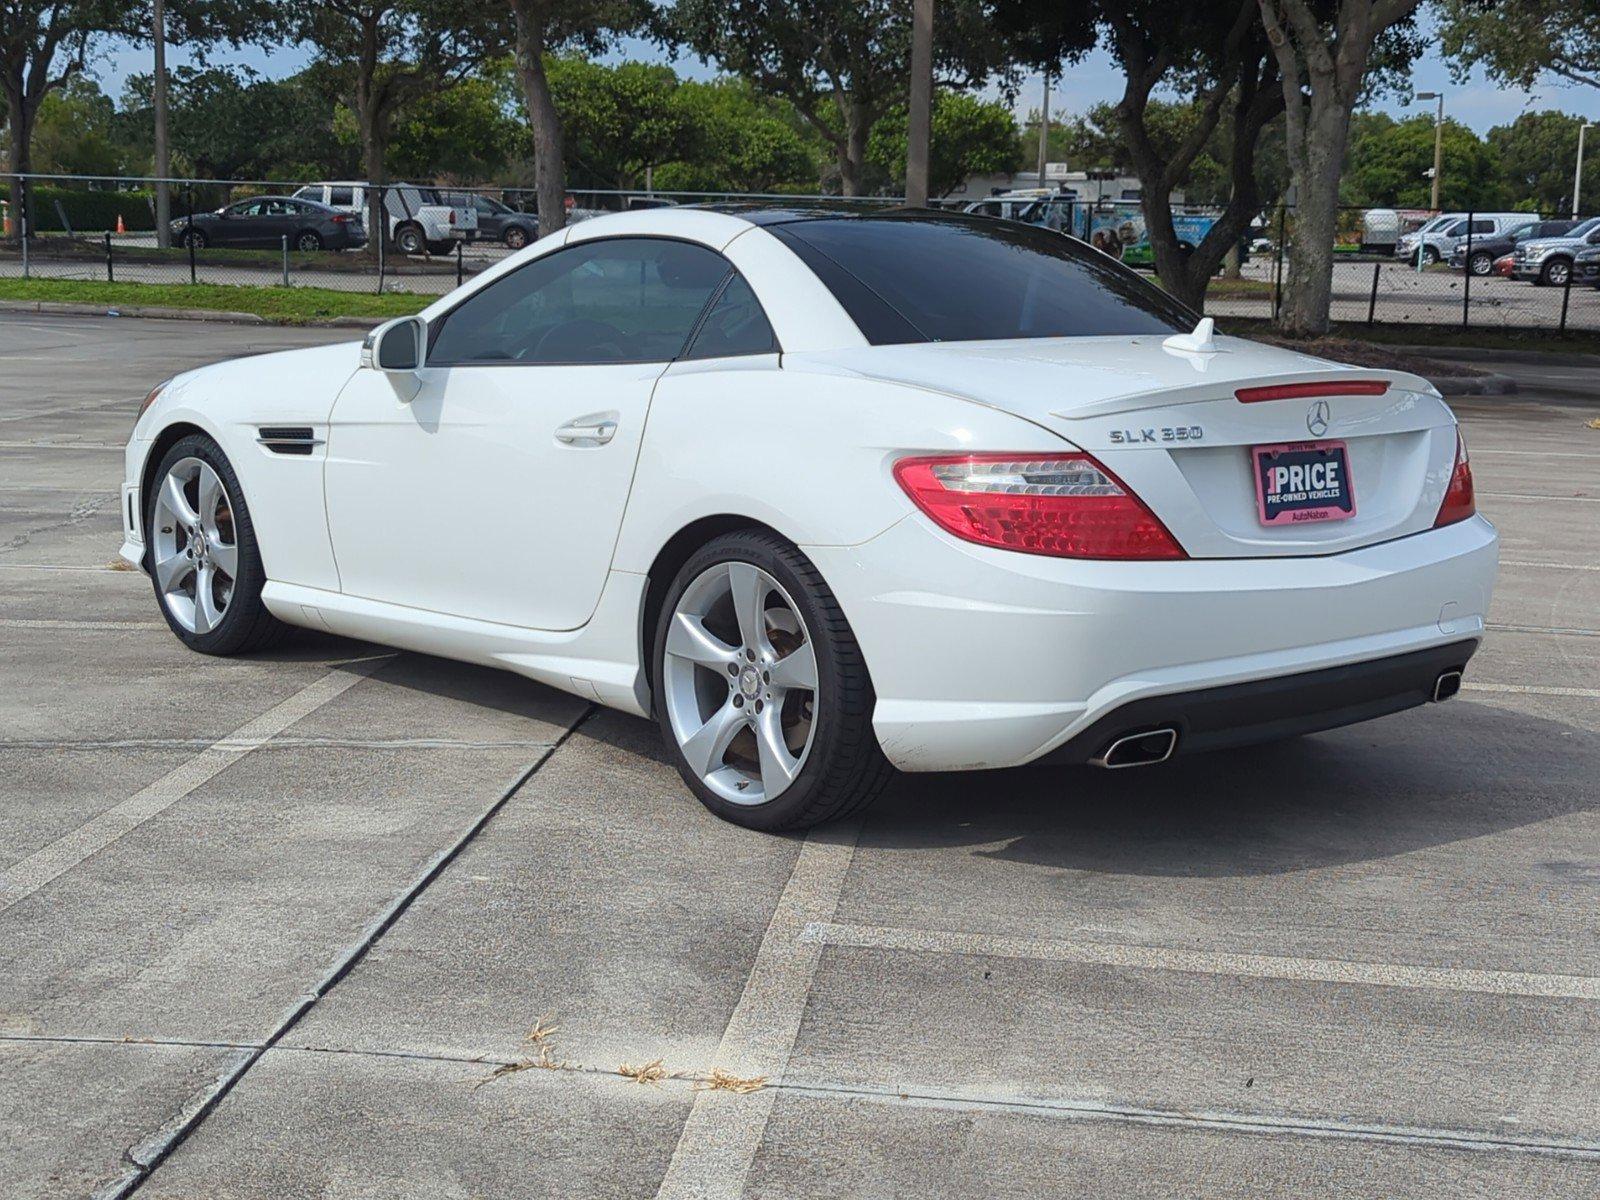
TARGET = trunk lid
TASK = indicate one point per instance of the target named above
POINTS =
(1169, 424)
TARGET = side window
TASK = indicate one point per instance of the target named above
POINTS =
(340, 197)
(1456, 230)
(1483, 227)
(612, 301)
(251, 208)
(736, 325)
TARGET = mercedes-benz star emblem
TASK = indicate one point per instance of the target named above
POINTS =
(1317, 419)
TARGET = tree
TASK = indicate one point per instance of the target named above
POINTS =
(1388, 160)
(968, 136)
(1537, 153)
(1516, 43)
(545, 27)
(1323, 62)
(44, 44)
(1213, 54)
(388, 52)
(740, 141)
(620, 122)
(842, 64)
(75, 132)
(465, 132)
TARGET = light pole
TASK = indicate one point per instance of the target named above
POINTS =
(1438, 141)
(1577, 176)
(1044, 126)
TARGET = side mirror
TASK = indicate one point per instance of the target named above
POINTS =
(398, 349)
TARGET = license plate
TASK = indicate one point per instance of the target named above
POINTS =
(1303, 481)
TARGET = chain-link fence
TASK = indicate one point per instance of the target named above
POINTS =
(1471, 270)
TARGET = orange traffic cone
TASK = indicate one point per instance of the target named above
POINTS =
(121, 228)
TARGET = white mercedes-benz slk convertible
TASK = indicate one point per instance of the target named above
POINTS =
(825, 493)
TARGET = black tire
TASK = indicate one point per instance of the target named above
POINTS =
(1554, 273)
(246, 624)
(194, 237)
(308, 241)
(1481, 264)
(408, 239)
(844, 769)
(515, 237)
(1429, 256)
(441, 248)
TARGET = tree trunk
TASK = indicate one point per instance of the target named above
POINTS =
(372, 148)
(20, 129)
(549, 167)
(853, 150)
(1316, 216)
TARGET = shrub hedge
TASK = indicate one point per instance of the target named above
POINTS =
(91, 211)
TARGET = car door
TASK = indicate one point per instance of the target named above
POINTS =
(236, 224)
(498, 491)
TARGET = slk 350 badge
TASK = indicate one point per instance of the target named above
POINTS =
(1180, 433)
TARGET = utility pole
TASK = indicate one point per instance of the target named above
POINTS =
(163, 165)
(1044, 127)
(1438, 143)
(1577, 176)
(919, 124)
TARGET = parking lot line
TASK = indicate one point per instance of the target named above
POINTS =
(48, 623)
(4, 445)
(1540, 496)
(720, 1138)
(1531, 689)
(1205, 962)
(51, 861)
(1559, 630)
(1512, 562)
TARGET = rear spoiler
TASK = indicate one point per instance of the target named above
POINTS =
(1325, 381)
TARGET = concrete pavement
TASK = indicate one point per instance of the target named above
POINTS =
(281, 926)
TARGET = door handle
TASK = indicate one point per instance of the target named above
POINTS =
(596, 429)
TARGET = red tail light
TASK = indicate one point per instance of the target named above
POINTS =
(1306, 391)
(1065, 505)
(1459, 503)
(340, 218)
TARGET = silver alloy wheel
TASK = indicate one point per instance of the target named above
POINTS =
(194, 551)
(308, 242)
(739, 681)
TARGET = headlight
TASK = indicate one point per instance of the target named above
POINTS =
(151, 398)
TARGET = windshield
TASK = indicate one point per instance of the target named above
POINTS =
(911, 277)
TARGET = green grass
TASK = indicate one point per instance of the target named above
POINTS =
(291, 305)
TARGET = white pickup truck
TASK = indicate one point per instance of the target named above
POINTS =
(420, 221)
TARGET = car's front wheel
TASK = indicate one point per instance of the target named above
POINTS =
(761, 692)
(192, 237)
(202, 555)
(1555, 272)
(1482, 264)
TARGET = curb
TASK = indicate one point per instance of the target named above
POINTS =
(1549, 358)
(62, 308)
(1488, 384)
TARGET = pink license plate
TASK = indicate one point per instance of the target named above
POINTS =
(1298, 482)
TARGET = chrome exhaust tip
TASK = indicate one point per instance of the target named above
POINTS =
(1138, 749)
(1447, 685)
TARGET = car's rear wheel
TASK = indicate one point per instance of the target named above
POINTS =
(761, 692)
(409, 240)
(202, 553)
(308, 241)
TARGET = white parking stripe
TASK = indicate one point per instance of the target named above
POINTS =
(1204, 962)
(59, 567)
(1531, 689)
(34, 872)
(1512, 562)
(723, 1131)
(1478, 451)
(42, 623)
(1507, 627)
(1540, 496)
(59, 446)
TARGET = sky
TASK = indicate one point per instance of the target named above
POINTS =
(1476, 103)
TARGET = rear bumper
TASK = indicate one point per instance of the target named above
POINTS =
(1264, 710)
(984, 658)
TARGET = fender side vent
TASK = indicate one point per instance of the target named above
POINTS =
(288, 439)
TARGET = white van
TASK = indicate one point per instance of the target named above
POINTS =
(420, 220)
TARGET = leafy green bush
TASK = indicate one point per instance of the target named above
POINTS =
(90, 211)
